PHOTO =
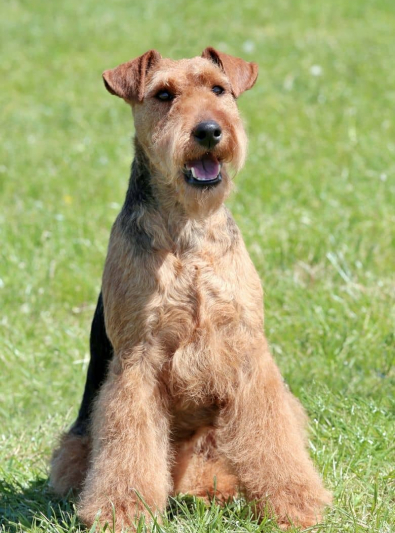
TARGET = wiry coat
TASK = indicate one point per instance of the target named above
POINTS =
(192, 392)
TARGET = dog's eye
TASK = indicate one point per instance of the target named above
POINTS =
(217, 89)
(164, 95)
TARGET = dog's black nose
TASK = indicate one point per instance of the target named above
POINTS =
(208, 133)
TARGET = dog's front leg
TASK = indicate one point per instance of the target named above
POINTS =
(129, 468)
(261, 433)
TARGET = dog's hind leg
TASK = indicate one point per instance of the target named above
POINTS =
(70, 459)
(69, 463)
(200, 471)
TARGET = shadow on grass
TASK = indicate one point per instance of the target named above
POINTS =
(33, 506)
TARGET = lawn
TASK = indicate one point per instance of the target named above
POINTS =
(315, 203)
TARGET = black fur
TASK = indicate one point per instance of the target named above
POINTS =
(101, 354)
(139, 197)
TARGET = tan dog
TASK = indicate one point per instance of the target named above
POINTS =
(192, 399)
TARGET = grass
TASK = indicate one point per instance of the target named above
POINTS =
(315, 203)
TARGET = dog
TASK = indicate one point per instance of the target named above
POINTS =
(182, 394)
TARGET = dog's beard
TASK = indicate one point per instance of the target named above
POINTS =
(200, 180)
(200, 201)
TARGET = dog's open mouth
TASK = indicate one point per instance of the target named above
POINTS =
(203, 172)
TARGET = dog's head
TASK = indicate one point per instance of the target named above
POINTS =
(187, 121)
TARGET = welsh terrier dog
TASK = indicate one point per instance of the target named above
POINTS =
(182, 394)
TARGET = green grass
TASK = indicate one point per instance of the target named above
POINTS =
(315, 203)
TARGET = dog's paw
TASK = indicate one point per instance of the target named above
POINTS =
(120, 516)
(296, 507)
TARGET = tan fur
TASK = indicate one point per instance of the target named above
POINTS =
(69, 463)
(193, 401)
(201, 471)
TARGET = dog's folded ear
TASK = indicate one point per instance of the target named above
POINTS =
(242, 74)
(128, 80)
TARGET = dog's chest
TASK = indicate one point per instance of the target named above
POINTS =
(205, 307)
(193, 293)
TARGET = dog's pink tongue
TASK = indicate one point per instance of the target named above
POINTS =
(205, 169)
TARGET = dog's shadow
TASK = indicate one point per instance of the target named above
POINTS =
(33, 506)
(26, 506)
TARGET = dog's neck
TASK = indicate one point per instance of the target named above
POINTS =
(139, 194)
(159, 224)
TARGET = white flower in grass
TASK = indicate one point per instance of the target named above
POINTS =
(316, 70)
(248, 47)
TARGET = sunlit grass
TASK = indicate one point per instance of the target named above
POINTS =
(315, 203)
